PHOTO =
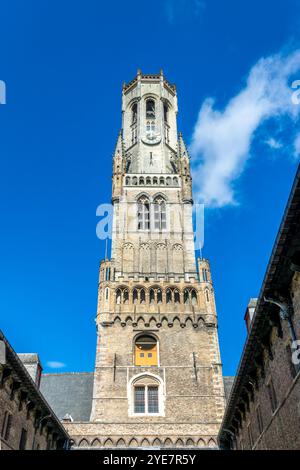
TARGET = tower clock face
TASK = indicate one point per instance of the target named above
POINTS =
(151, 138)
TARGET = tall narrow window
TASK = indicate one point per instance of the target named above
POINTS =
(134, 113)
(165, 112)
(118, 296)
(143, 214)
(139, 399)
(194, 297)
(150, 109)
(160, 219)
(152, 399)
(146, 399)
(152, 296)
(176, 297)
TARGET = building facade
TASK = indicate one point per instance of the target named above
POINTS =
(26, 420)
(158, 375)
(263, 411)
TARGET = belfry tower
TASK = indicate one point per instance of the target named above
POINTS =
(158, 376)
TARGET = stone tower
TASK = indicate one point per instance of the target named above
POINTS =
(158, 376)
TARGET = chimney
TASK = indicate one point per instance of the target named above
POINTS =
(33, 365)
(249, 314)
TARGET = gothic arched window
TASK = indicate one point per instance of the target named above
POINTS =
(118, 296)
(146, 353)
(125, 297)
(169, 296)
(142, 296)
(194, 297)
(150, 109)
(166, 112)
(152, 296)
(160, 219)
(143, 214)
(176, 297)
(134, 113)
(135, 296)
(146, 395)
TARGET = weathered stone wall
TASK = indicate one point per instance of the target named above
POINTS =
(280, 428)
(21, 418)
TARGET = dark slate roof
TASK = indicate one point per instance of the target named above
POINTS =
(228, 382)
(69, 392)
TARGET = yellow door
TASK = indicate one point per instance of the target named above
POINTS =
(146, 351)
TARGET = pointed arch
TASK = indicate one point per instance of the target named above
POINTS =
(190, 442)
(121, 443)
(179, 443)
(135, 296)
(176, 296)
(145, 443)
(189, 321)
(96, 442)
(201, 443)
(83, 443)
(108, 443)
(142, 296)
(118, 296)
(153, 320)
(194, 297)
(211, 443)
(168, 442)
(133, 443)
(156, 442)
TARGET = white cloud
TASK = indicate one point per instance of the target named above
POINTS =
(222, 139)
(56, 364)
(273, 143)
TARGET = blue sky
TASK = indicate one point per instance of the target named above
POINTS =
(63, 64)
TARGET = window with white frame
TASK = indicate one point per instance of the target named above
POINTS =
(146, 396)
